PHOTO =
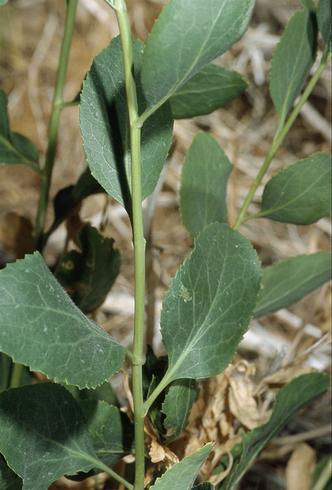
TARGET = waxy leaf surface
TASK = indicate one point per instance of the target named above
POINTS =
(290, 399)
(41, 327)
(204, 184)
(209, 303)
(187, 36)
(178, 401)
(211, 88)
(43, 434)
(301, 193)
(288, 281)
(14, 147)
(292, 60)
(182, 475)
(105, 131)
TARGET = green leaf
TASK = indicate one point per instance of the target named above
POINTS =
(89, 275)
(187, 36)
(43, 434)
(292, 60)
(104, 126)
(300, 193)
(3, 2)
(289, 400)
(68, 199)
(41, 327)
(183, 474)
(105, 429)
(178, 401)
(204, 184)
(286, 282)
(209, 304)
(211, 88)
(309, 4)
(8, 479)
(103, 393)
(14, 147)
(324, 15)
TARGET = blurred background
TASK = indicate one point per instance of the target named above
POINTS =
(289, 342)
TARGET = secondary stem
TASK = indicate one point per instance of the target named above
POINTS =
(57, 106)
(139, 242)
(279, 138)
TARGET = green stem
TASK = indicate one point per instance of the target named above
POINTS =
(111, 473)
(166, 380)
(139, 242)
(57, 106)
(324, 477)
(16, 375)
(279, 138)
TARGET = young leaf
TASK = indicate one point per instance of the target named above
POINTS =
(41, 327)
(14, 147)
(300, 193)
(89, 275)
(204, 184)
(211, 88)
(182, 475)
(324, 15)
(286, 282)
(209, 304)
(8, 479)
(104, 424)
(43, 434)
(203, 30)
(289, 400)
(178, 401)
(292, 60)
(104, 126)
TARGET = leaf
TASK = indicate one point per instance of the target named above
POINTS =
(211, 88)
(3, 2)
(292, 60)
(89, 275)
(187, 36)
(41, 327)
(43, 434)
(209, 304)
(69, 198)
(300, 193)
(204, 184)
(182, 475)
(104, 126)
(103, 393)
(8, 479)
(178, 401)
(289, 400)
(309, 4)
(324, 21)
(288, 281)
(14, 147)
(105, 429)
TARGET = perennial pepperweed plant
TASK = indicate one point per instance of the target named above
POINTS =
(128, 102)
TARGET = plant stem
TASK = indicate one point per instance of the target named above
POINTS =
(139, 242)
(279, 138)
(57, 106)
(98, 464)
